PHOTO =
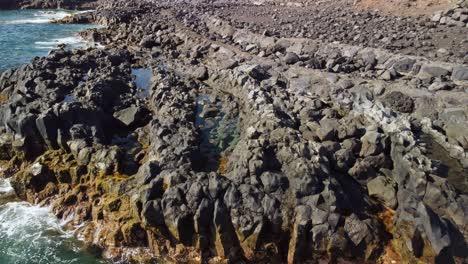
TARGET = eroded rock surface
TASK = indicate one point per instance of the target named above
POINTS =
(246, 147)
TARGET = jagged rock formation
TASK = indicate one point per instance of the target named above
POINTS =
(243, 147)
(47, 4)
(456, 16)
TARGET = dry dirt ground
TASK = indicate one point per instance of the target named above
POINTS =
(406, 7)
(393, 7)
(335, 22)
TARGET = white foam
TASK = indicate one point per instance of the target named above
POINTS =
(42, 17)
(27, 21)
(74, 42)
(46, 47)
(21, 219)
(66, 40)
(5, 186)
(53, 14)
(99, 45)
(83, 11)
(32, 234)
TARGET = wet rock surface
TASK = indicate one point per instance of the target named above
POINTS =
(193, 136)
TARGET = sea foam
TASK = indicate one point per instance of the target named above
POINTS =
(5, 186)
(32, 234)
(41, 17)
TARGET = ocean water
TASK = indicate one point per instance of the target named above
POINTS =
(32, 235)
(25, 34)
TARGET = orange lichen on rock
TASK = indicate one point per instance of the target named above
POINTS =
(391, 256)
(223, 161)
(3, 98)
(387, 217)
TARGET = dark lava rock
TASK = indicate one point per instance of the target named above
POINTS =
(399, 101)
(132, 115)
(291, 58)
(147, 42)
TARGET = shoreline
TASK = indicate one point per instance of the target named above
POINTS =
(50, 4)
(48, 20)
(43, 228)
(249, 146)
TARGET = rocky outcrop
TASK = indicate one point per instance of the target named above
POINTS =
(456, 16)
(245, 148)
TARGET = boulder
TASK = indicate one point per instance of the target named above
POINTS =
(429, 71)
(48, 124)
(404, 66)
(356, 229)
(383, 189)
(177, 215)
(134, 234)
(148, 171)
(437, 86)
(226, 243)
(399, 101)
(371, 144)
(328, 129)
(200, 73)
(344, 159)
(370, 60)
(379, 89)
(453, 22)
(345, 84)
(272, 181)
(436, 17)
(257, 72)
(291, 58)
(131, 116)
(147, 42)
(152, 214)
(455, 125)
(460, 73)
(38, 177)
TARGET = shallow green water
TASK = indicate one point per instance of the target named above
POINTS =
(25, 34)
(218, 134)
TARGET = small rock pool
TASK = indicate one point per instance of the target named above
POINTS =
(219, 131)
(143, 81)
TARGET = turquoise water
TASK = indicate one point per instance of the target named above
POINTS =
(25, 34)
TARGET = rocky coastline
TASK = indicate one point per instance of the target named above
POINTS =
(261, 136)
(48, 4)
